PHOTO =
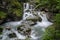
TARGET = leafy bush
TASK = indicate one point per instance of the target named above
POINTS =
(2, 14)
(51, 5)
(49, 34)
(53, 32)
(17, 12)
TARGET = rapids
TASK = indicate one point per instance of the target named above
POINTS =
(36, 31)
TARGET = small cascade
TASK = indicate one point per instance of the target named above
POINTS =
(33, 35)
(40, 26)
(44, 23)
(26, 6)
(27, 11)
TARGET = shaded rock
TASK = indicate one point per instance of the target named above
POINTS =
(12, 35)
(50, 16)
(25, 28)
(1, 21)
(1, 29)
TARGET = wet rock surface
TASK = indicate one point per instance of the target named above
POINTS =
(25, 28)
(12, 35)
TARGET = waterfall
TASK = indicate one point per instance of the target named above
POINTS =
(39, 28)
(36, 30)
(44, 23)
(27, 11)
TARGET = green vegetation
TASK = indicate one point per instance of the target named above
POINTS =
(57, 26)
(49, 34)
(53, 32)
(51, 5)
(13, 7)
(17, 12)
(2, 14)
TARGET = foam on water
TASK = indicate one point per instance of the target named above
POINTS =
(44, 23)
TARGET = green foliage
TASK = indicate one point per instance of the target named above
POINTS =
(41, 3)
(53, 32)
(57, 26)
(57, 34)
(14, 7)
(15, 3)
(17, 12)
(2, 14)
(51, 5)
(57, 21)
(57, 18)
(58, 5)
(49, 34)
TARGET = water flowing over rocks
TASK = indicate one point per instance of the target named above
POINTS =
(26, 28)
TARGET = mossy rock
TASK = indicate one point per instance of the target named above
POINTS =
(34, 20)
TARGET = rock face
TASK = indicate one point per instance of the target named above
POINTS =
(1, 21)
(50, 16)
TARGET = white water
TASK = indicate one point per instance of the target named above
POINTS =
(39, 28)
(19, 36)
(36, 30)
(44, 23)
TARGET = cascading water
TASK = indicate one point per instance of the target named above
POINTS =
(44, 23)
(36, 30)
(39, 28)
